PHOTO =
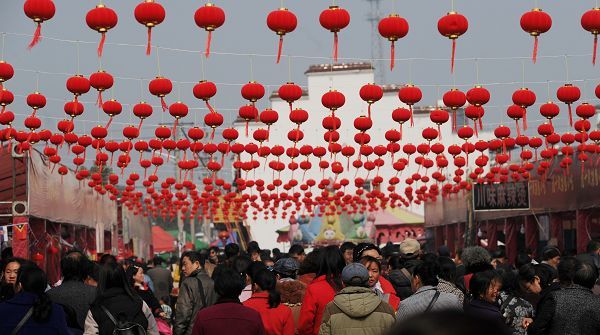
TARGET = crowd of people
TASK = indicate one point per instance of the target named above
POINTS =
(350, 289)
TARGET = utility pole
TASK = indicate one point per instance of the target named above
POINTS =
(374, 17)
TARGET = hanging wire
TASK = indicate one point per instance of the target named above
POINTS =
(141, 89)
(393, 6)
(290, 69)
(157, 49)
(567, 67)
(410, 71)
(477, 71)
(548, 83)
(452, 5)
(523, 73)
(251, 68)
(2, 49)
(77, 50)
(37, 81)
(202, 68)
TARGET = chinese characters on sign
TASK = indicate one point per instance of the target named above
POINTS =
(501, 196)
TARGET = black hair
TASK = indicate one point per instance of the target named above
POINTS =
(266, 280)
(228, 282)
(546, 273)
(93, 271)
(370, 260)
(593, 246)
(241, 265)
(522, 259)
(481, 281)
(396, 262)
(566, 270)
(34, 280)
(254, 268)
(296, 249)
(449, 322)
(73, 266)
(107, 258)
(277, 254)
(527, 273)
(550, 252)
(347, 246)
(157, 261)
(131, 271)
(216, 249)
(232, 250)
(253, 244)
(193, 256)
(331, 264)
(510, 282)
(428, 271)
(444, 251)
(361, 248)
(447, 269)
(6, 253)
(310, 263)
(253, 249)
(585, 274)
(499, 253)
(112, 275)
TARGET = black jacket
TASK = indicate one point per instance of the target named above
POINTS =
(573, 310)
(484, 310)
(75, 295)
(121, 306)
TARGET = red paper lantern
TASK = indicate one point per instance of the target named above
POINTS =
(585, 110)
(143, 111)
(6, 72)
(290, 92)
(524, 98)
(161, 87)
(6, 98)
(36, 101)
(178, 110)
(39, 11)
(454, 99)
(393, 28)
(150, 14)
(370, 93)
(516, 113)
(78, 85)
(205, 90)
(535, 22)
(101, 81)
(213, 120)
(298, 116)
(590, 21)
(549, 110)
(253, 91)
(195, 134)
(410, 95)
(439, 117)
(209, 17)
(401, 115)
(452, 26)
(248, 112)
(429, 134)
(478, 96)
(101, 19)
(333, 100)
(334, 19)
(268, 117)
(568, 94)
(32, 123)
(281, 21)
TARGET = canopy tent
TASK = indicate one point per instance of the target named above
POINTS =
(397, 216)
(161, 240)
(396, 224)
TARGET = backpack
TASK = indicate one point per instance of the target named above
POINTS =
(124, 327)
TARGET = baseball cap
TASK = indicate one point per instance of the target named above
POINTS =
(355, 274)
(286, 266)
(410, 246)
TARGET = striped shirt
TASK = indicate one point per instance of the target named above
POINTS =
(418, 302)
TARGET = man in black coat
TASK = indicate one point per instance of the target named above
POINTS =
(72, 292)
(573, 309)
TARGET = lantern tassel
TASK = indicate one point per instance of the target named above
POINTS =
(475, 127)
(480, 124)
(247, 128)
(401, 131)
(37, 36)
(210, 108)
(535, 49)
(109, 122)
(369, 111)
(524, 119)
(518, 128)
(335, 47)
(412, 123)
(454, 120)
(570, 116)
(393, 56)
(452, 57)
(101, 45)
(279, 49)
(439, 133)
(139, 125)
(163, 104)
(149, 45)
(208, 40)
(175, 126)
(99, 100)
(212, 134)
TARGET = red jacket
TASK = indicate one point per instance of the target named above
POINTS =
(318, 294)
(278, 320)
(228, 317)
(388, 288)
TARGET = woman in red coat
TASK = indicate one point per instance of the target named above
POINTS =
(369, 249)
(276, 317)
(322, 290)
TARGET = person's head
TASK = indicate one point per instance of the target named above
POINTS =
(586, 274)
(510, 280)
(426, 273)
(551, 256)
(157, 261)
(228, 283)
(254, 253)
(6, 253)
(374, 266)
(107, 258)
(593, 247)
(268, 262)
(356, 274)
(286, 268)
(190, 262)
(447, 269)
(522, 259)
(444, 251)
(410, 248)
(347, 249)
(164, 300)
(529, 280)
(113, 276)
(264, 280)
(231, 250)
(241, 264)
(311, 263)
(486, 285)
(297, 252)
(92, 274)
(498, 258)
(135, 274)
(73, 266)
(11, 270)
(32, 279)
(547, 275)
(276, 254)
(366, 249)
(566, 270)
(331, 263)
(476, 259)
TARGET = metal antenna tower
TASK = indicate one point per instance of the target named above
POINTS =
(374, 17)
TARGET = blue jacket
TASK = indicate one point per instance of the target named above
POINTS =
(13, 310)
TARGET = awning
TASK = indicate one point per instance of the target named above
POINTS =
(397, 216)
(161, 240)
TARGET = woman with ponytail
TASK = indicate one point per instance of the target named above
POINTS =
(31, 309)
(276, 317)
